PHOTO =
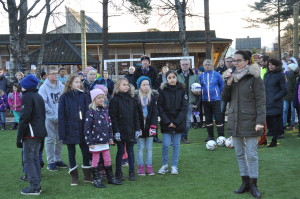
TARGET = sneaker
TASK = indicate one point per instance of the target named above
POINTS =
(24, 178)
(150, 171)
(131, 176)
(163, 169)
(61, 164)
(141, 170)
(119, 176)
(157, 140)
(125, 164)
(174, 170)
(52, 167)
(30, 191)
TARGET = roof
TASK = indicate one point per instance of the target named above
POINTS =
(61, 51)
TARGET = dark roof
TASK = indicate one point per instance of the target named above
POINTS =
(61, 51)
(125, 37)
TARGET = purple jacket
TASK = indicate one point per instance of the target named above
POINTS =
(3, 103)
(15, 98)
(97, 127)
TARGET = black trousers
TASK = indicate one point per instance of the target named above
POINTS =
(86, 155)
(274, 124)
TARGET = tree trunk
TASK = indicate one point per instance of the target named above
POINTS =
(24, 59)
(104, 34)
(207, 30)
(295, 31)
(278, 23)
(180, 11)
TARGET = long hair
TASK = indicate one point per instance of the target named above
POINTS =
(147, 96)
(94, 106)
(117, 87)
(18, 87)
(69, 82)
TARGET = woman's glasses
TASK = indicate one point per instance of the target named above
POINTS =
(238, 60)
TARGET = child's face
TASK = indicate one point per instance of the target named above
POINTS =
(76, 83)
(19, 77)
(105, 75)
(81, 77)
(15, 88)
(99, 100)
(44, 77)
(145, 86)
(172, 79)
(124, 86)
(53, 75)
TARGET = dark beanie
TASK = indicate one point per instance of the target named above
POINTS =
(140, 79)
(30, 81)
(145, 57)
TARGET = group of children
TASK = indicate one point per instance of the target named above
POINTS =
(89, 119)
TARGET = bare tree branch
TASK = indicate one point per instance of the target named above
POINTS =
(3, 5)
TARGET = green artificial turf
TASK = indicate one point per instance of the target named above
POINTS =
(202, 173)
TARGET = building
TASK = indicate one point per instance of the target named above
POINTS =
(248, 43)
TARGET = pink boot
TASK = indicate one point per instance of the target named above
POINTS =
(150, 171)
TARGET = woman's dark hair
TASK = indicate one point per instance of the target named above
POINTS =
(169, 72)
(17, 86)
(276, 63)
(245, 54)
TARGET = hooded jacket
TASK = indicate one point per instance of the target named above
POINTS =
(15, 98)
(51, 95)
(212, 85)
(247, 106)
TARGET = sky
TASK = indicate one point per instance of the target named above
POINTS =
(226, 18)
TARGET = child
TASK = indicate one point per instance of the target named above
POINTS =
(31, 132)
(125, 123)
(14, 101)
(172, 106)
(72, 107)
(98, 135)
(3, 106)
(148, 111)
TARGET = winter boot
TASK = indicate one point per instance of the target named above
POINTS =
(210, 130)
(273, 143)
(3, 126)
(245, 185)
(87, 171)
(96, 176)
(253, 188)
(131, 176)
(14, 126)
(220, 130)
(110, 176)
(120, 176)
(74, 174)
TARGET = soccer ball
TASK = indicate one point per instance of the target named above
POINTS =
(211, 145)
(228, 142)
(221, 141)
(196, 87)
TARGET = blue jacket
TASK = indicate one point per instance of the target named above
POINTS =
(3, 103)
(212, 85)
(109, 84)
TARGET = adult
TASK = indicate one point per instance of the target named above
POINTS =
(245, 91)
(19, 76)
(212, 85)
(3, 82)
(106, 81)
(264, 63)
(90, 81)
(62, 76)
(276, 89)
(162, 76)
(146, 70)
(129, 76)
(221, 66)
(187, 77)
(296, 101)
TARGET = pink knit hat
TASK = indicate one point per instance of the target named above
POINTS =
(102, 87)
(95, 92)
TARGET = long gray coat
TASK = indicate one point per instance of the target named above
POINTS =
(247, 106)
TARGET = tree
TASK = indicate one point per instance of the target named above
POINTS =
(207, 30)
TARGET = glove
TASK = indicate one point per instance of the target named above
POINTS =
(138, 134)
(117, 136)
(19, 145)
(152, 130)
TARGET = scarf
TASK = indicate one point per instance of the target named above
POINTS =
(239, 74)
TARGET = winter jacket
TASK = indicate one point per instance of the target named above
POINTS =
(123, 111)
(296, 99)
(3, 103)
(109, 84)
(276, 89)
(51, 95)
(15, 99)
(291, 82)
(152, 116)
(32, 114)
(247, 106)
(160, 79)
(4, 85)
(152, 74)
(193, 78)
(172, 106)
(89, 86)
(98, 127)
(72, 108)
(212, 85)
(221, 69)
(130, 78)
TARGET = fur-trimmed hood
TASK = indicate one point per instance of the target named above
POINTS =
(254, 70)
(166, 85)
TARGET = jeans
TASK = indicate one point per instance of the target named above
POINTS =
(31, 149)
(142, 144)
(167, 138)
(53, 144)
(86, 156)
(247, 156)
(288, 104)
(2, 116)
(120, 152)
(188, 121)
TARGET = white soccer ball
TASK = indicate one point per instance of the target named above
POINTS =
(221, 141)
(196, 87)
(228, 142)
(211, 145)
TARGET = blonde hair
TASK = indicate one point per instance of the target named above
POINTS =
(51, 68)
(19, 73)
(93, 105)
(69, 82)
(147, 96)
(117, 87)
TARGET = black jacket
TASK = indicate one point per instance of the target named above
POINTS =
(33, 113)
(130, 78)
(152, 116)
(152, 74)
(296, 103)
(70, 126)
(172, 106)
(276, 89)
(109, 84)
(123, 111)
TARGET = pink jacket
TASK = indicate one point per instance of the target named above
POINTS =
(15, 98)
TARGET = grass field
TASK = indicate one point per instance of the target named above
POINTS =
(202, 174)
